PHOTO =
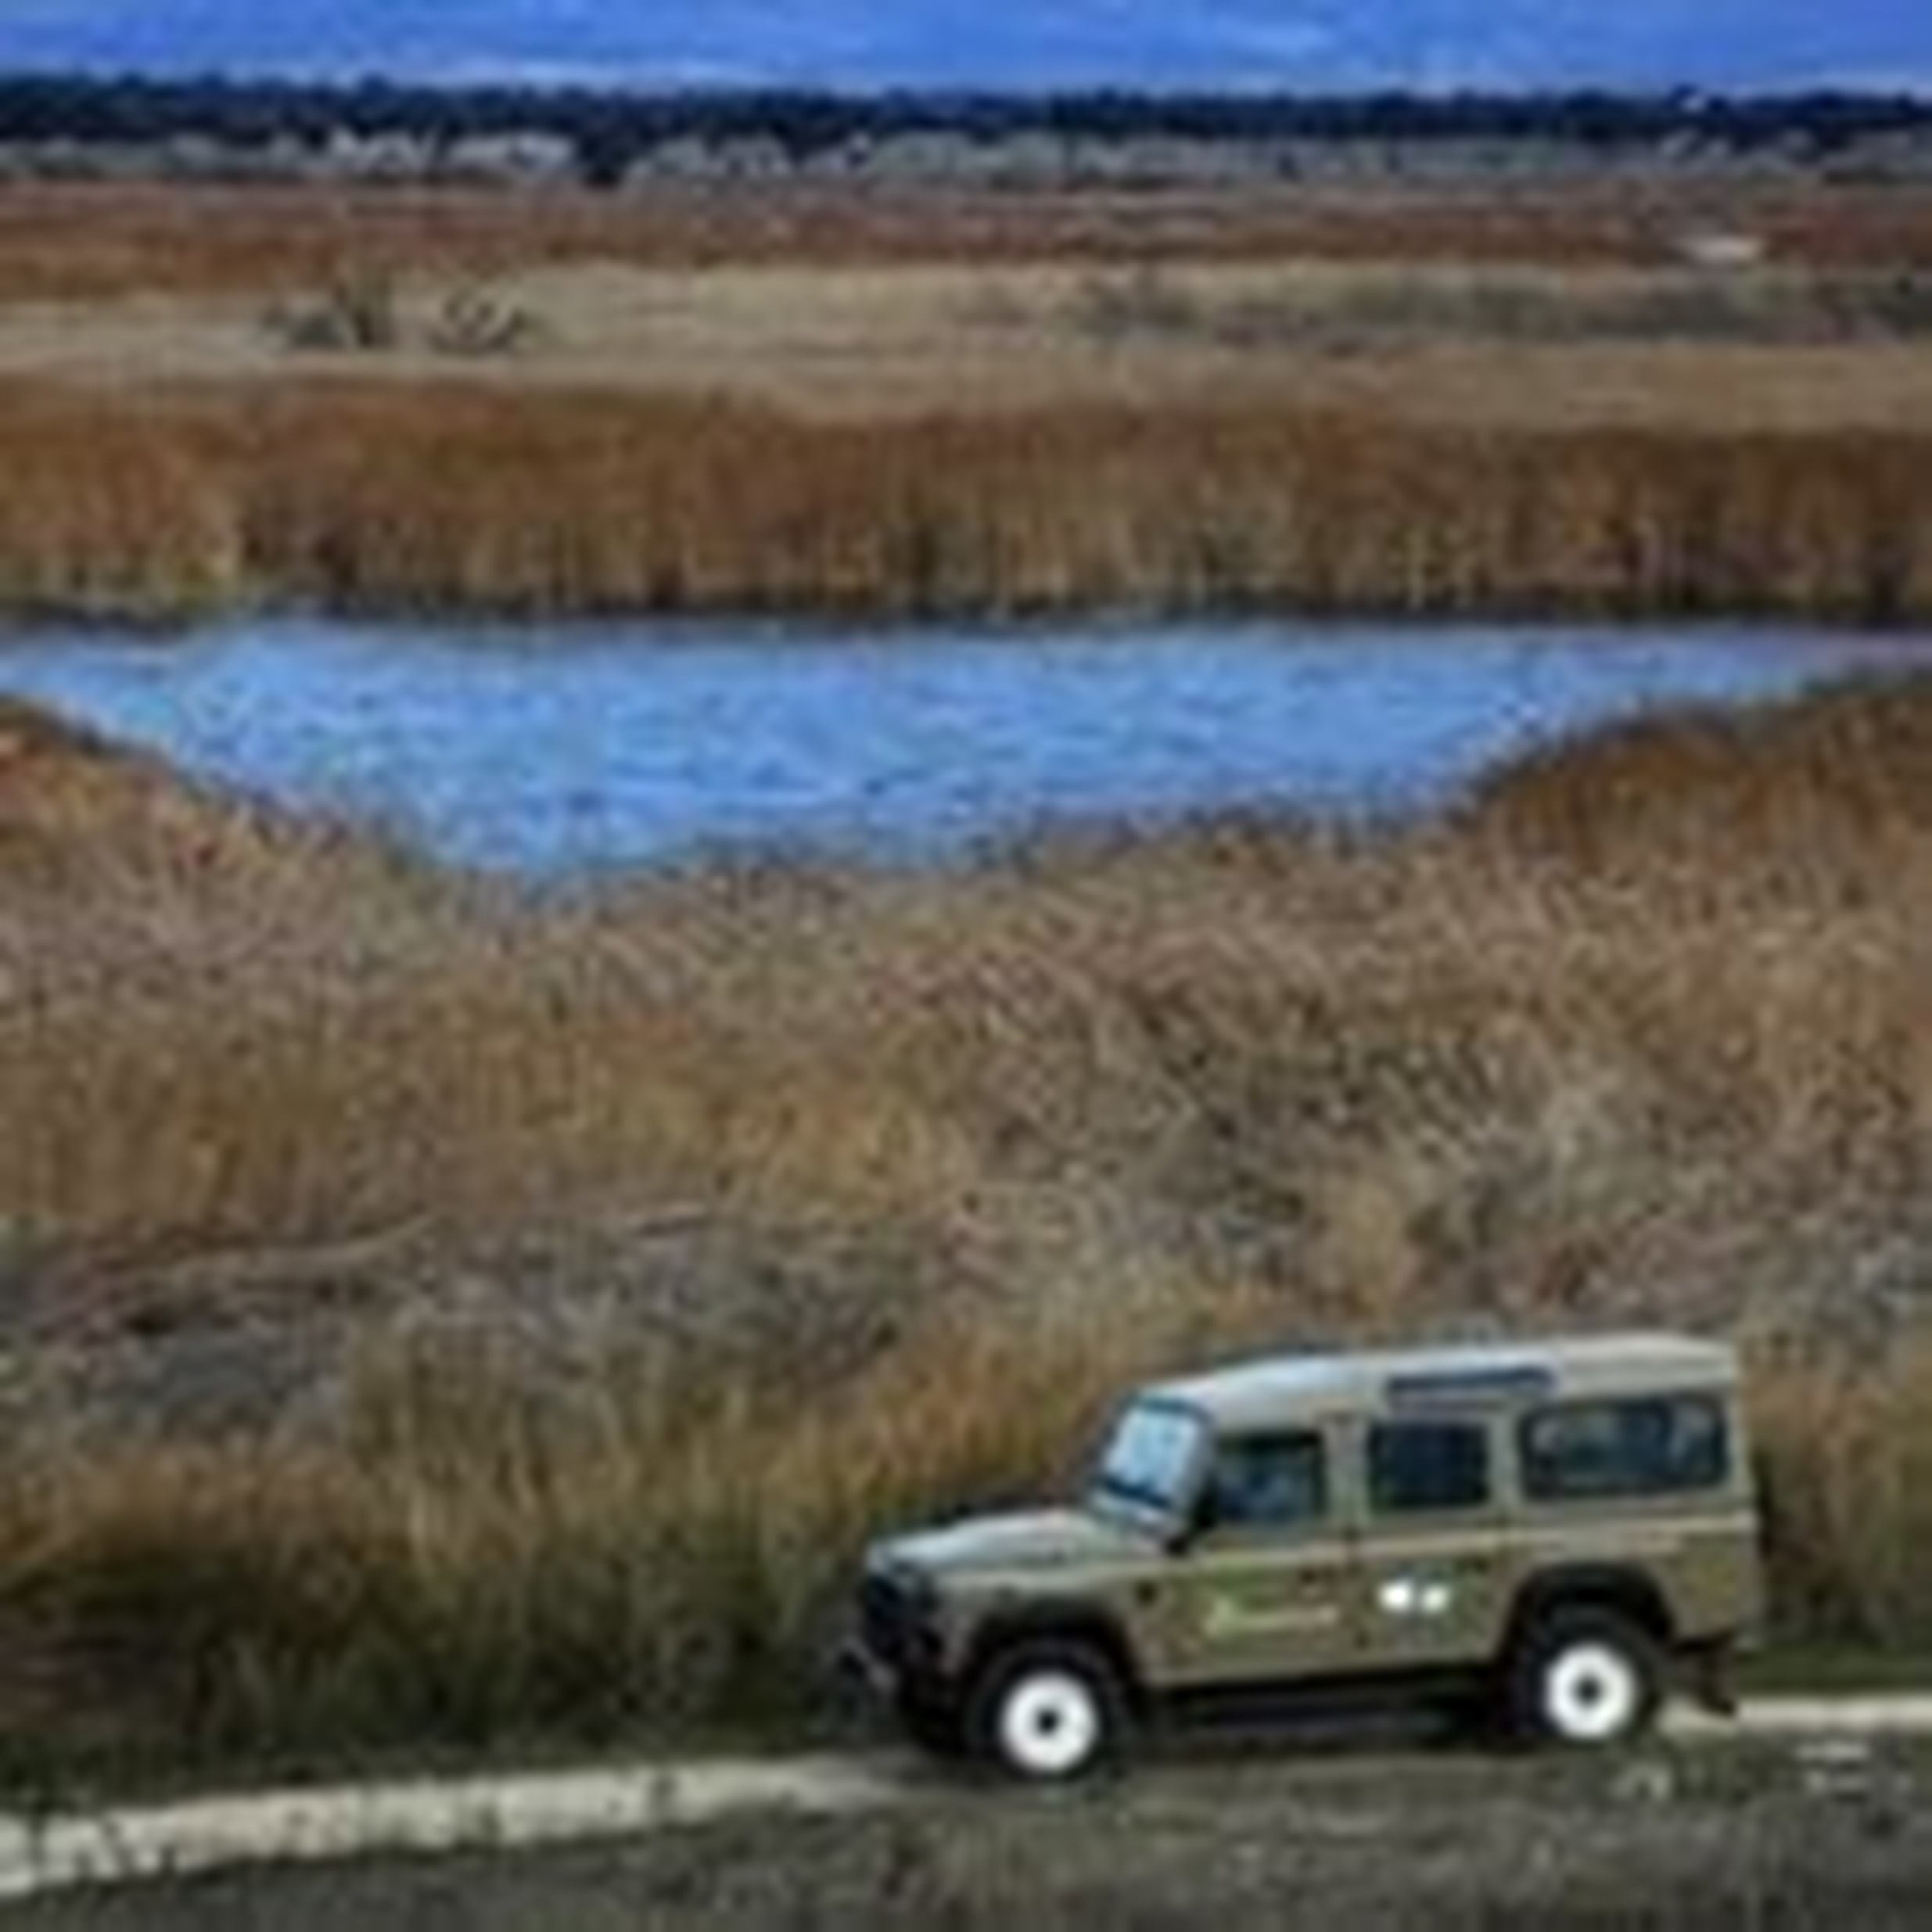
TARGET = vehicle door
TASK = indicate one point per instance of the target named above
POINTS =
(1434, 1577)
(1261, 1591)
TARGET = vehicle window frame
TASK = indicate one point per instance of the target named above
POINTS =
(1326, 1523)
(1143, 1503)
(1381, 1515)
(1628, 1493)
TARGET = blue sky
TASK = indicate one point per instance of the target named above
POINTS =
(1251, 43)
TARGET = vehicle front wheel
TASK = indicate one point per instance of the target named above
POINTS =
(1586, 1679)
(1048, 1712)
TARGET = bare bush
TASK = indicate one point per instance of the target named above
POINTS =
(357, 313)
(1146, 302)
(472, 321)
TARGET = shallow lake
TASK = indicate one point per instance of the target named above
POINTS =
(548, 750)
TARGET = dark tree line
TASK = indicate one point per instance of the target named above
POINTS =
(610, 129)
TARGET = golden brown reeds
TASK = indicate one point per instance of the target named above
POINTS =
(370, 498)
(929, 1166)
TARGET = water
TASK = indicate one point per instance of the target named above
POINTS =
(550, 750)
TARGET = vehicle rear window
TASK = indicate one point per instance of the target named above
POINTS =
(1422, 1467)
(1655, 1446)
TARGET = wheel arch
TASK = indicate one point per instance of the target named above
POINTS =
(1619, 1589)
(1086, 1626)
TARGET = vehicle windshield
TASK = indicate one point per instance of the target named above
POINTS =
(1149, 1461)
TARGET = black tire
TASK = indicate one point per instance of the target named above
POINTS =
(1584, 1679)
(1048, 1711)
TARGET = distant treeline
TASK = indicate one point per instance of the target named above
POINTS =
(609, 130)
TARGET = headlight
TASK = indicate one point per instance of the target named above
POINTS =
(885, 1566)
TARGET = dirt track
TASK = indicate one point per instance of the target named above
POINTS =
(1784, 1832)
(1805, 1792)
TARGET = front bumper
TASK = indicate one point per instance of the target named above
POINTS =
(855, 1664)
(898, 1643)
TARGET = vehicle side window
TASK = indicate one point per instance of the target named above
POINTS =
(1417, 1468)
(1274, 1482)
(1651, 1447)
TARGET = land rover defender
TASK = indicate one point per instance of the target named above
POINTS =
(1561, 1534)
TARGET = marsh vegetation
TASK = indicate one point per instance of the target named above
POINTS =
(438, 1313)
(434, 1312)
(1408, 398)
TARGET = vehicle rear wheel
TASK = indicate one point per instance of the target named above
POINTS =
(1587, 1679)
(1048, 1712)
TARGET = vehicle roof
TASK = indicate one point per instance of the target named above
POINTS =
(1290, 1387)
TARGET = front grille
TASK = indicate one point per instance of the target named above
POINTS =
(886, 1619)
(899, 1622)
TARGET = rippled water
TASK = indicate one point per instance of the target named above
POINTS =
(548, 750)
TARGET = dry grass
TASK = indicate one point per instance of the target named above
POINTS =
(430, 1313)
(438, 1314)
(1409, 400)
(1484, 349)
(895, 402)
(1352, 309)
(90, 241)
(356, 497)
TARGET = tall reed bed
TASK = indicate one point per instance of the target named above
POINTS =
(391, 499)
(477, 1559)
(434, 1315)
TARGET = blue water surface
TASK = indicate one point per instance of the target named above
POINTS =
(551, 751)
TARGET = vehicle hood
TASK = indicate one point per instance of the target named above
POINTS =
(1038, 1540)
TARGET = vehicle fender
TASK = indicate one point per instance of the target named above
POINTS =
(1626, 1589)
(1005, 1624)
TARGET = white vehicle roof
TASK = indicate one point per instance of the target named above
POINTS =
(1285, 1389)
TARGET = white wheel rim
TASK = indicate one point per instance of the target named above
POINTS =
(1049, 1724)
(1591, 1694)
